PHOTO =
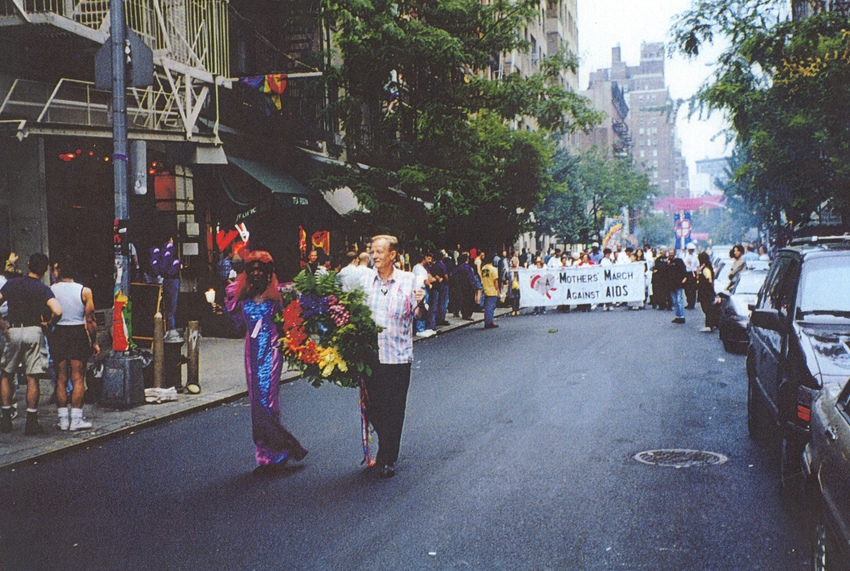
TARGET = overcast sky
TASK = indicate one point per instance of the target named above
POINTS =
(603, 24)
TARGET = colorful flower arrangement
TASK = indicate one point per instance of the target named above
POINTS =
(326, 333)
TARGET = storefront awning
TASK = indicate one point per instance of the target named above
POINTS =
(343, 201)
(275, 179)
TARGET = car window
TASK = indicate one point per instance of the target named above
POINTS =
(771, 283)
(823, 287)
(750, 283)
(781, 287)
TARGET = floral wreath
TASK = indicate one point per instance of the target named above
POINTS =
(328, 334)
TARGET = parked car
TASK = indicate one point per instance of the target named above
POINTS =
(735, 310)
(797, 333)
(723, 266)
(826, 466)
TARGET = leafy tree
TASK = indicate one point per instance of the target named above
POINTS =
(655, 229)
(784, 84)
(448, 153)
(588, 187)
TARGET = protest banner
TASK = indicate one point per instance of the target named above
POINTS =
(617, 283)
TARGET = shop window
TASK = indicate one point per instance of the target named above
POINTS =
(165, 191)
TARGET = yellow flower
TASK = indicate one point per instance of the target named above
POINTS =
(330, 359)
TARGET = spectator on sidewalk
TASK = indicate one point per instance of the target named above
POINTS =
(72, 342)
(706, 293)
(255, 299)
(462, 286)
(395, 300)
(422, 273)
(348, 276)
(491, 286)
(33, 309)
(439, 291)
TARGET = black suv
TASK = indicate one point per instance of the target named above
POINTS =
(797, 335)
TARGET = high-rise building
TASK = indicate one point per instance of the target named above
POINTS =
(641, 123)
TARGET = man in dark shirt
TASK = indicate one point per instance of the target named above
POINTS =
(677, 276)
(32, 310)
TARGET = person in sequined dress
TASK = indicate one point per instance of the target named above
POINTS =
(255, 299)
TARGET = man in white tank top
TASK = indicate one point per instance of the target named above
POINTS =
(72, 342)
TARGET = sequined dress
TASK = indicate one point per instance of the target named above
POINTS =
(263, 365)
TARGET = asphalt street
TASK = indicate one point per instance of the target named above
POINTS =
(518, 453)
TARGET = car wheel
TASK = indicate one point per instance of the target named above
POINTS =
(756, 413)
(791, 465)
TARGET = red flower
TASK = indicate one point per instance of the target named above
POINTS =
(292, 316)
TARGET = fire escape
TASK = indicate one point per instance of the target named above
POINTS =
(190, 44)
(621, 145)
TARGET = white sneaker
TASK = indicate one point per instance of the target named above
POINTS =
(429, 332)
(77, 420)
(64, 418)
(705, 330)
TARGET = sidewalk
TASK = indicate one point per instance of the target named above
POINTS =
(222, 377)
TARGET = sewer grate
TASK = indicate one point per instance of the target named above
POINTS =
(678, 458)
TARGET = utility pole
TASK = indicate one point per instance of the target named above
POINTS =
(119, 145)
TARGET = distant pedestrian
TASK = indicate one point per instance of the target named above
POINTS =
(691, 266)
(72, 342)
(255, 299)
(660, 286)
(539, 264)
(513, 285)
(33, 309)
(439, 291)
(491, 287)
(677, 276)
(395, 299)
(348, 276)
(706, 293)
(165, 266)
(462, 286)
(738, 265)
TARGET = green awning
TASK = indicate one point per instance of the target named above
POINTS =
(273, 178)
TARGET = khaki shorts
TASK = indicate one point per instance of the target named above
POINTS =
(26, 345)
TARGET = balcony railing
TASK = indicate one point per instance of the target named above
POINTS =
(193, 33)
(77, 103)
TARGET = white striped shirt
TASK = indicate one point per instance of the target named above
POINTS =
(393, 304)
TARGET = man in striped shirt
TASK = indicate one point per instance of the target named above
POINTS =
(395, 300)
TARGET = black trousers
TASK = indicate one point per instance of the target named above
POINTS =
(691, 290)
(387, 400)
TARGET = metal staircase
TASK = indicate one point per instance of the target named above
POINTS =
(190, 44)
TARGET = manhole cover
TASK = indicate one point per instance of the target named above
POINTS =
(680, 458)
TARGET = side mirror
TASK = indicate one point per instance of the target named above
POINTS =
(767, 319)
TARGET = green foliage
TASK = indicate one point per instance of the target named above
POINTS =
(784, 85)
(587, 187)
(449, 158)
(655, 229)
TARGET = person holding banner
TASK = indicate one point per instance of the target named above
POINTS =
(512, 278)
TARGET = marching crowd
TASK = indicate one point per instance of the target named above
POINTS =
(460, 282)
